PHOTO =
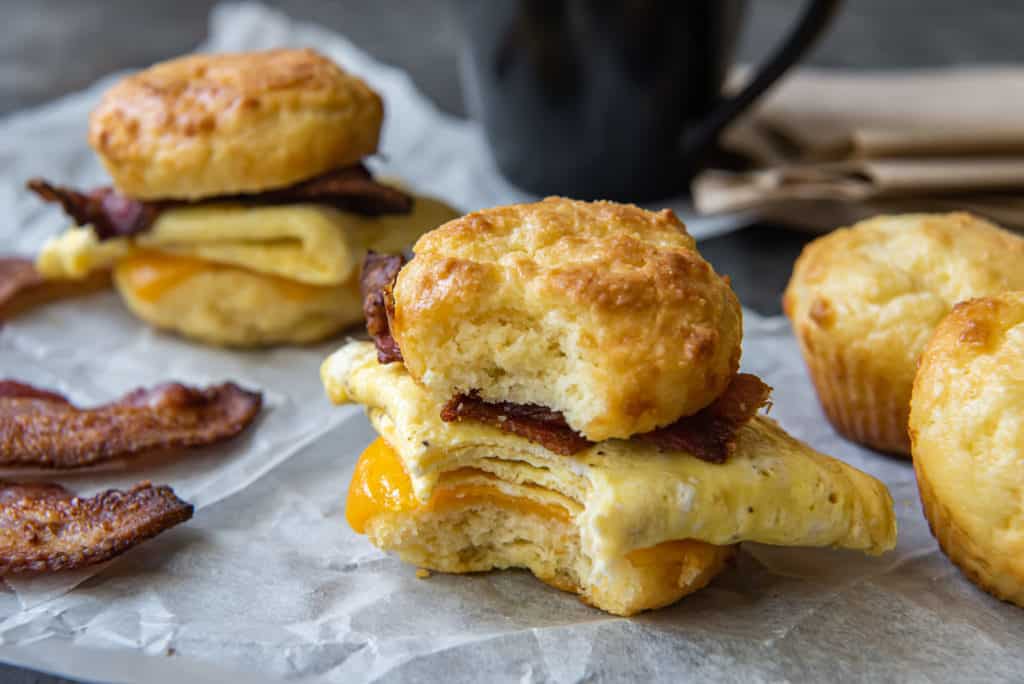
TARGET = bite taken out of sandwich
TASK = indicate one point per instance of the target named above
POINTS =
(240, 209)
(555, 387)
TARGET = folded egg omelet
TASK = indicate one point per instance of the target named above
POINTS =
(627, 526)
(239, 274)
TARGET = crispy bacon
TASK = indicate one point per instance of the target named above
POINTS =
(351, 188)
(12, 389)
(709, 434)
(43, 429)
(22, 286)
(375, 283)
(46, 528)
(536, 423)
(112, 215)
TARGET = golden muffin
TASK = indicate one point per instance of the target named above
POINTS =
(225, 124)
(863, 301)
(967, 434)
(603, 312)
(625, 524)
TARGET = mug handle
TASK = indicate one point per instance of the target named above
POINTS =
(701, 139)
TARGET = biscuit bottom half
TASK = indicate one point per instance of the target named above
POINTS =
(475, 521)
(231, 305)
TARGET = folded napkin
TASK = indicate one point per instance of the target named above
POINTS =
(830, 147)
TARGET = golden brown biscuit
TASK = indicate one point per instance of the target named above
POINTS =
(967, 429)
(864, 300)
(208, 125)
(231, 306)
(602, 311)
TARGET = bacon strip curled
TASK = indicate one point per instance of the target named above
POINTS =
(352, 188)
(375, 282)
(43, 429)
(112, 215)
(709, 434)
(22, 286)
(536, 423)
(46, 528)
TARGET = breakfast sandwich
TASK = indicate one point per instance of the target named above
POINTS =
(240, 209)
(555, 387)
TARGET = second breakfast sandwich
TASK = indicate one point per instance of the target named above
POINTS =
(555, 387)
(241, 209)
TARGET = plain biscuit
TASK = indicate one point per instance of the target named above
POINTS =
(235, 307)
(603, 311)
(208, 125)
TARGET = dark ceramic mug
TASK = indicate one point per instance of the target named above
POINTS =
(615, 99)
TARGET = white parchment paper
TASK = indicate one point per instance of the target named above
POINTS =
(270, 583)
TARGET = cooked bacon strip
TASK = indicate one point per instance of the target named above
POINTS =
(113, 215)
(46, 528)
(110, 214)
(709, 434)
(12, 389)
(351, 188)
(42, 429)
(536, 423)
(375, 283)
(23, 287)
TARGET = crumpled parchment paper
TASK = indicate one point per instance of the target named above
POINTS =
(272, 584)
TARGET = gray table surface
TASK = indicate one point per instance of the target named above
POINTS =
(50, 47)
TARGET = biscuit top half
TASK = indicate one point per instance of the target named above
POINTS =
(222, 124)
(602, 311)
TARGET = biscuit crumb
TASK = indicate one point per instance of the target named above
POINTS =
(422, 573)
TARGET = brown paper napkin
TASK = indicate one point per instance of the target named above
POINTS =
(830, 147)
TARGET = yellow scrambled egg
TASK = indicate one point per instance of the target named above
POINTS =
(773, 489)
(308, 243)
(243, 275)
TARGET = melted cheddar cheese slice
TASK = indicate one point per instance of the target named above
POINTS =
(307, 243)
(380, 485)
(150, 275)
(774, 489)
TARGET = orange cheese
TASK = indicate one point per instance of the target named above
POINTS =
(380, 484)
(150, 275)
(676, 552)
(447, 498)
